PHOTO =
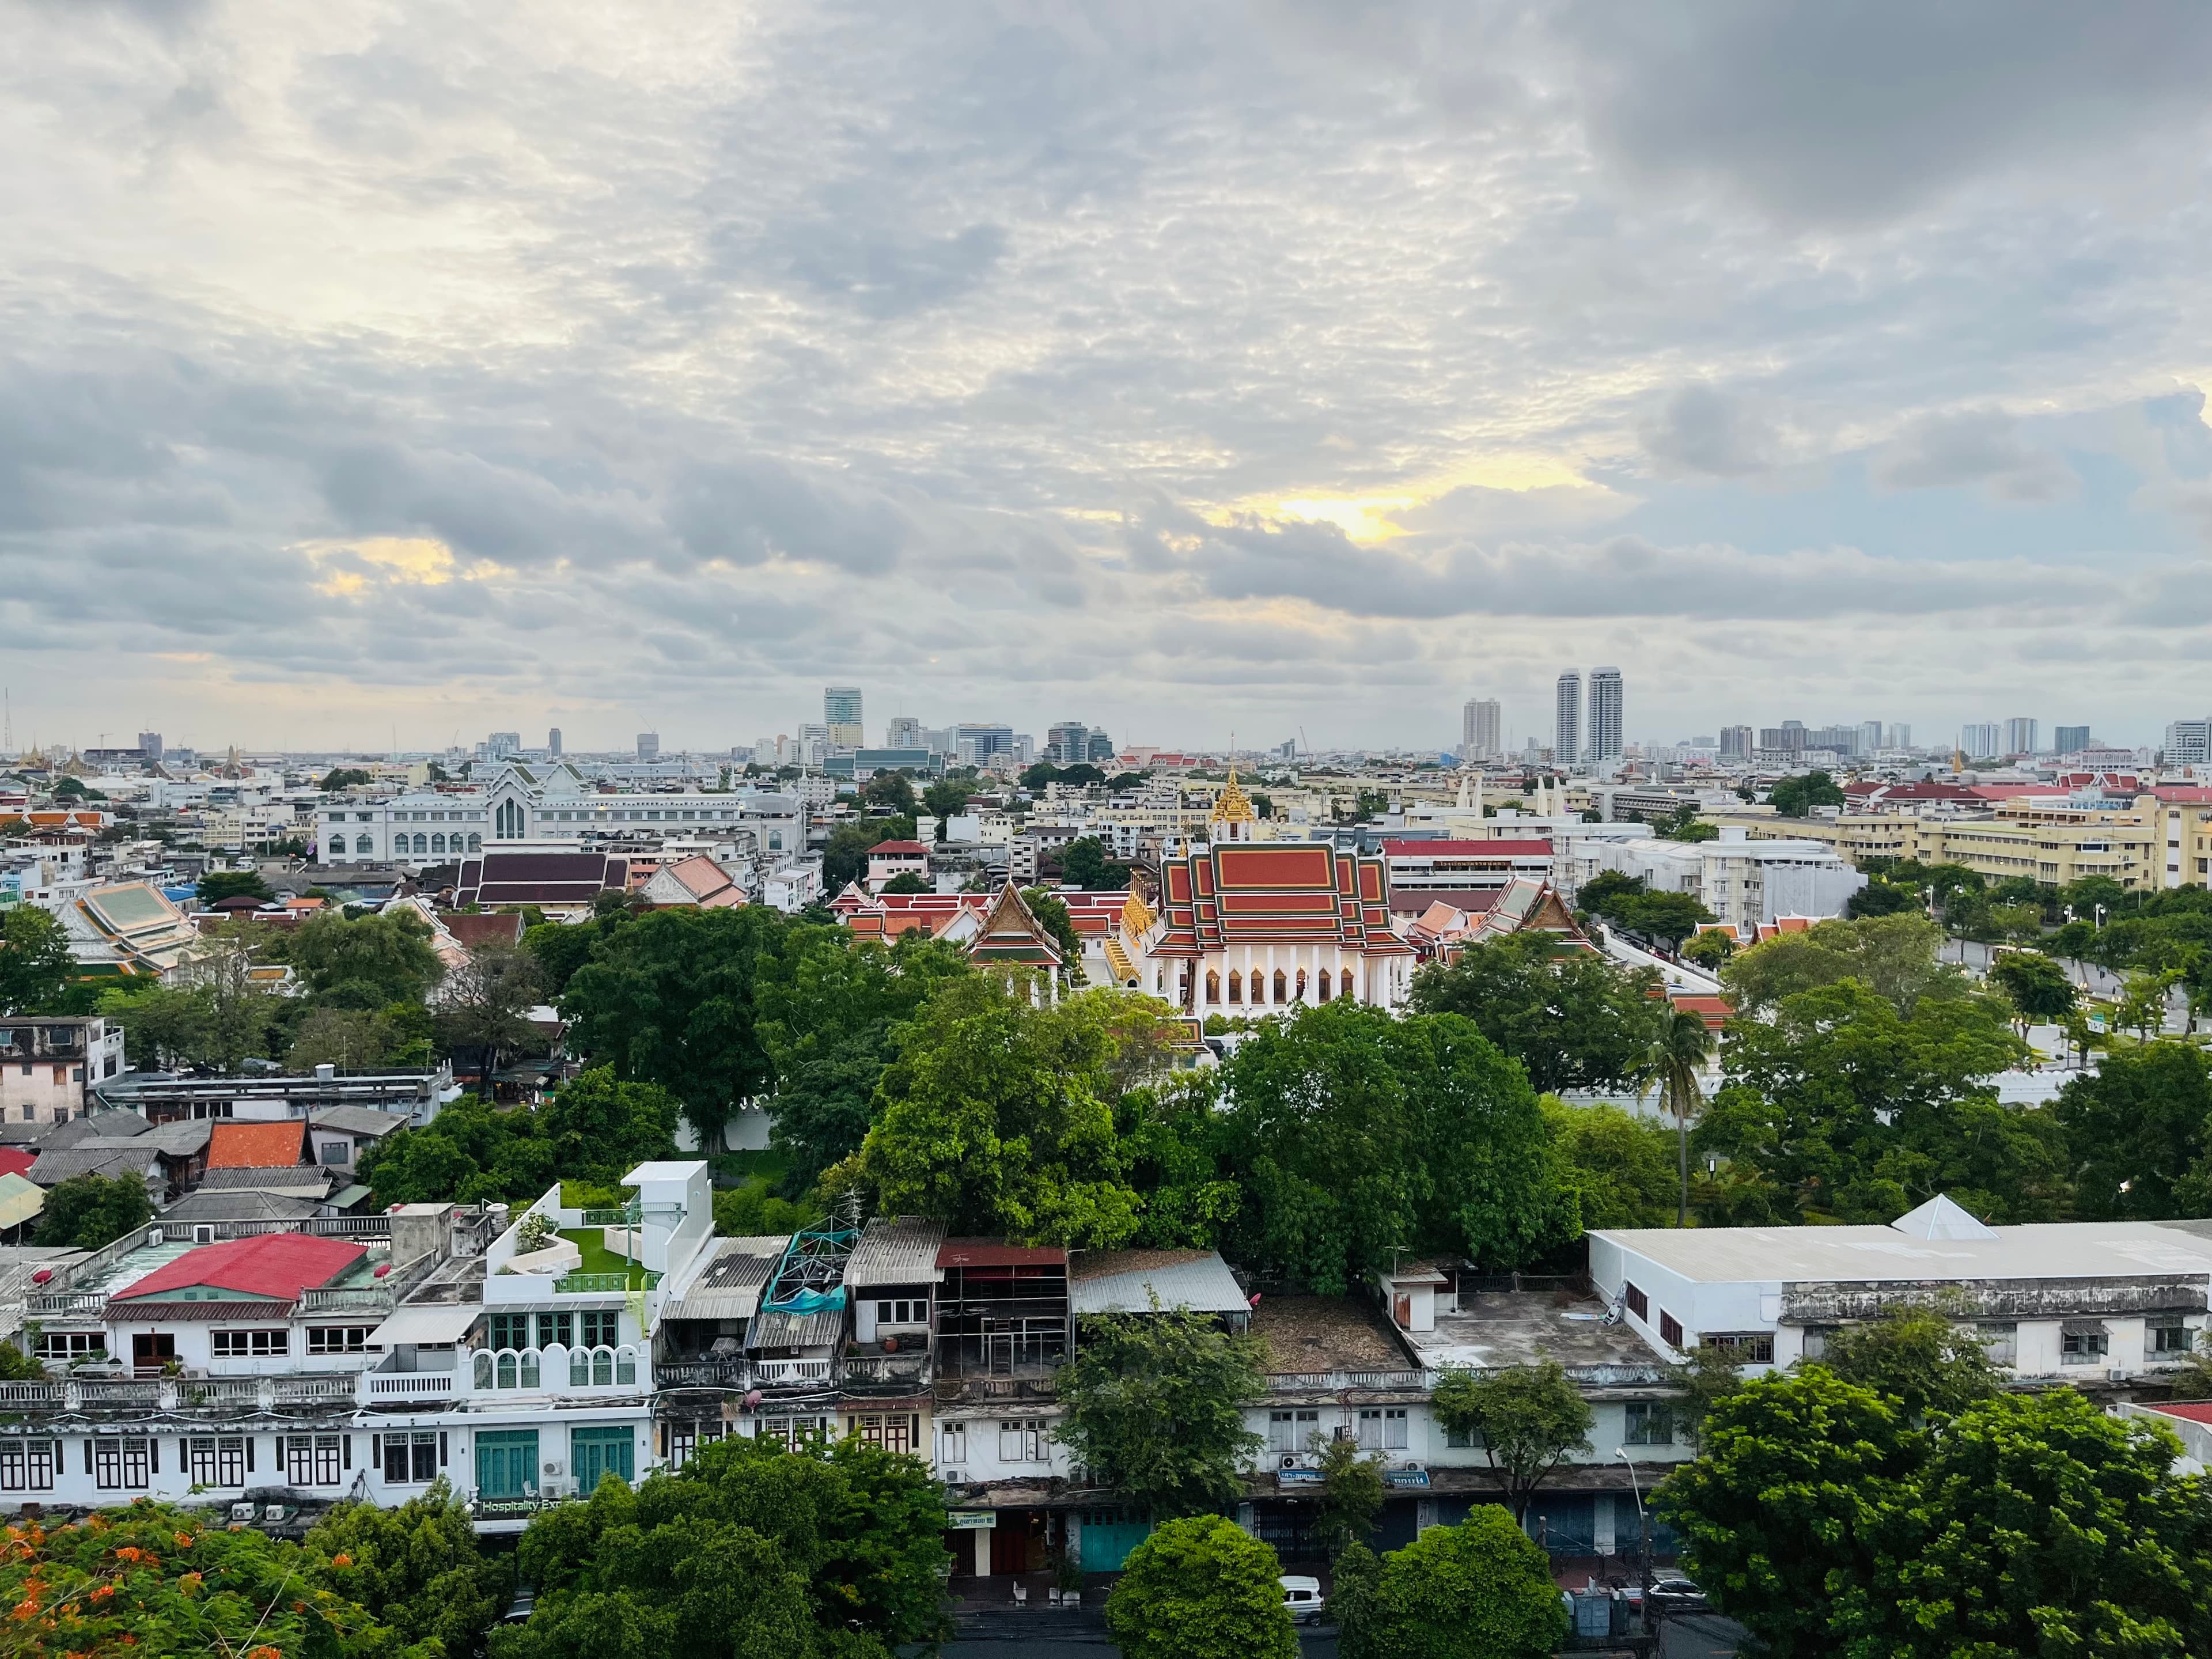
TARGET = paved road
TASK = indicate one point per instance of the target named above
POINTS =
(1033, 1635)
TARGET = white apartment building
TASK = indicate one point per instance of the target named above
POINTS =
(2081, 1301)
(548, 805)
(1741, 881)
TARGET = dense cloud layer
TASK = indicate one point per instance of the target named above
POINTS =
(442, 367)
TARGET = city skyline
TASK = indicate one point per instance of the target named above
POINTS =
(374, 371)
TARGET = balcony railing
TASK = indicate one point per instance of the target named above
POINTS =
(1310, 1382)
(583, 1284)
(887, 1370)
(388, 1388)
(65, 1304)
(768, 1372)
(702, 1373)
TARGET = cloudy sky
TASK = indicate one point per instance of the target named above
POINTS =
(429, 368)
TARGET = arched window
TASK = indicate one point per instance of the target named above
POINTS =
(422, 842)
(1301, 985)
(1212, 986)
(1236, 988)
(1347, 990)
(476, 843)
(1324, 985)
(1282, 987)
(438, 841)
(507, 823)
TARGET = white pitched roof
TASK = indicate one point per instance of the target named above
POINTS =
(1939, 1218)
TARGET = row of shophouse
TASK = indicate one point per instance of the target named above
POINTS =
(524, 1357)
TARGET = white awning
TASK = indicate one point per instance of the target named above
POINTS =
(434, 1322)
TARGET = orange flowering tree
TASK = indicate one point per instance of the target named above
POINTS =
(152, 1579)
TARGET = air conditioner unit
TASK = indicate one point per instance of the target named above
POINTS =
(153, 1234)
(203, 1234)
(956, 1477)
(2120, 1374)
(553, 1469)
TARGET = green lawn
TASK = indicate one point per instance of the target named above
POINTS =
(598, 1258)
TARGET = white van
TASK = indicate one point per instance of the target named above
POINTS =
(1301, 1598)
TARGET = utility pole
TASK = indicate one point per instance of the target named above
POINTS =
(1643, 1528)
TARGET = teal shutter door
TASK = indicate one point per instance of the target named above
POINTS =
(507, 1462)
(594, 1453)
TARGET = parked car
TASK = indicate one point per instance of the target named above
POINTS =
(1301, 1598)
(1671, 1592)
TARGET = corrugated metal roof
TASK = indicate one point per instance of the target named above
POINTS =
(55, 1167)
(1127, 1281)
(997, 1253)
(822, 1328)
(729, 1286)
(902, 1250)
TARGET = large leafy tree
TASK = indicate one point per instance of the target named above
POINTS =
(1619, 1168)
(1572, 1018)
(1530, 1419)
(35, 963)
(1841, 1107)
(216, 885)
(2137, 1129)
(157, 1579)
(471, 1154)
(365, 963)
(828, 1011)
(1794, 797)
(1201, 1589)
(1355, 1133)
(1917, 1359)
(997, 1115)
(1481, 1589)
(1153, 1406)
(1777, 1513)
(2036, 984)
(563, 947)
(669, 999)
(484, 1007)
(1894, 956)
(599, 1126)
(417, 1568)
(89, 1211)
(750, 1551)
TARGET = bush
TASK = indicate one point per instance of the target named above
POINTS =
(1201, 1588)
(1482, 1589)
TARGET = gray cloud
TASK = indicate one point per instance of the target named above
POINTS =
(1982, 447)
(1701, 429)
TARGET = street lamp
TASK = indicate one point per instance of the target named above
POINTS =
(1643, 1533)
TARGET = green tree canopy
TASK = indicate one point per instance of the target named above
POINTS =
(907, 882)
(1085, 863)
(217, 885)
(1917, 1358)
(669, 999)
(945, 798)
(1530, 1419)
(35, 962)
(365, 963)
(997, 1116)
(561, 948)
(1776, 1515)
(393, 1038)
(1201, 1588)
(891, 789)
(1796, 798)
(1572, 1018)
(1481, 1589)
(845, 856)
(2037, 986)
(2137, 1129)
(1844, 1110)
(1355, 1133)
(748, 1551)
(1153, 1406)
(343, 777)
(484, 1007)
(1880, 898)
(417, 1568)
(1620, 1168)
(828, 1013)
(598, 1127)
(89, 1211)
(1895, 956)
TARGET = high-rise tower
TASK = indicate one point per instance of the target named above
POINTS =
(1567, 718)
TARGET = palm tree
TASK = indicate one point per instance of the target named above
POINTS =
(1680, 1049)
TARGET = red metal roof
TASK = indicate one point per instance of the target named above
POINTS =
(2196, 1411)
(277, 1266)
(16, 1160)
(903, 849)
(997, 1253)
(257, 1145)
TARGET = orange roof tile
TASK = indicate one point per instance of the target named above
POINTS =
(257, 1145)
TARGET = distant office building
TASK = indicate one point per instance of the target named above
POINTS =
(1869, 736)
(1567, 718)
(150, 743)
(649, 745)
(1482, 731)
(1099, 746)
(2189, 743)
(1983, 741)
(840, 714)
(2070, 739)
(1066, 742)
(812, 747)
(1605, 726)
(1735, 743)
(1787, 739)
(502, 745)
(976, 742)
(1024, 748)
(553, 742)
(2020, 737)
(1897, 736)
(905, 733)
